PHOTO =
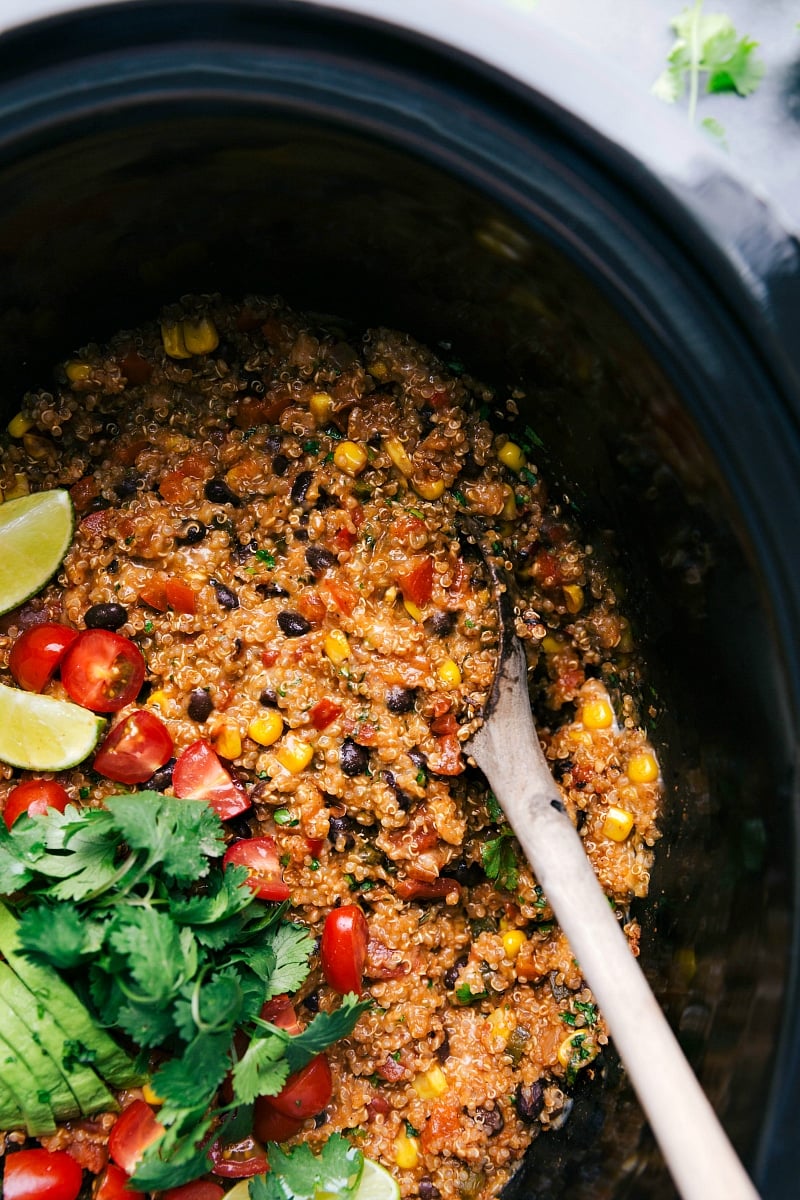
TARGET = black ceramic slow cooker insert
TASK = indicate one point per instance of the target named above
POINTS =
(643, 301)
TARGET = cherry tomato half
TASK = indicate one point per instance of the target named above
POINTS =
(343, 948)
(260, 857)
(134, 1130)
(239, 1160)
(113, 1186)
(199, 775)
(34, 796)
(271, 1126)
(102, 670)
(134, 749)
(41, 1175)
(280, 1011)
(199, 1189)
(306, 1092)
(36, 654)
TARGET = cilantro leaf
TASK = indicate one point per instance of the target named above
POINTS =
(190, 1082)
(147, 1024)
(177, 1157)
(323, 1031)
(160, 956)
(227, 894)
(500, 860)
(59, 935)
(299, 1174)
(292, 946)
(180, 837)
(262, 1069)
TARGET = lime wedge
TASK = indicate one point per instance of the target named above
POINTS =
(40, 733)
(376, 1183)
(35, 534)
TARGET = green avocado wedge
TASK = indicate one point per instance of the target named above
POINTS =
(46, 1080)
(90, 1093)
(10, 1112)
(64, 1008)
(31, 1091)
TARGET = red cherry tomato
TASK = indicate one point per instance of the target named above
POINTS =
(134, 1130)
(306, 1092)
(199, 775)
(134, 749)
(271, 1126)
(34, 796)
(239, 1160)
(41, 1175)
(102, 670)
(343, 948)
(113, 1186)
(260, 857)
(280, 1011)
(200, 1189)
(36, 654)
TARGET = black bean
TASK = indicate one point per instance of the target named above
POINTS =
(353, 759)
(300, 487)
(452, 973)
(301, 535)
(218, 492)
(560, 767)
(200, 705)
(225, 597)
(192, 533)
(418, 758)
(470, 469)
(127, 487)
(161, 779)
(440, 623)
(320, 559)
(529, 1101)
(403, 801)
(400, 699)
(270, 589)
(273, 442)
(269, 698)
(244, 550)
(443, 1050)
(240, 826)
(427, 1189)
(560, 990)
(293, 624)
(280, 464)
(342, 828)
(105, 616)
(490, 1120)
(99, 504)
(466, 873)
(311, 1002)
(324, 500)
(321, 1119)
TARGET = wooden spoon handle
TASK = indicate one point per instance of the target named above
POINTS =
(698, 1154)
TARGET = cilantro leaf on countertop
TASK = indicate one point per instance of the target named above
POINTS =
(707, 44)
(299, 1174)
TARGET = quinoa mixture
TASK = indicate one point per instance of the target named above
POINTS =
(272, 514)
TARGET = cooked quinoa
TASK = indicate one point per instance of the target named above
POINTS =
(334, 641)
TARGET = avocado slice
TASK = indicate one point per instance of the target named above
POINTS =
(42, 1075)
(64, 1008)
(31, 1092)
(90, 1092)
(10, 1112)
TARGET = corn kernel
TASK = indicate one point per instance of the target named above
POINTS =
(379, 370)
(642, 768)
(618, 824)
(350, 458)
(406, 1152)
(19, 425)
(21, 487)
(552, 645)
(158, 699)
(513, 941)
(502, 1023)
(397, 453)
(429, 489)
(511, 455)
(577, 1050)
(77, 371)
(509, 510)
(36, 447)
(150, 1096)
(337, 647)
(573, 597)
(228, 742)
(430, 1084)
(172, 338)
(413, 610)
(200, 337)
(449, 673)
(321, 406)
(266, 729)
(597, 714)
(295, 754)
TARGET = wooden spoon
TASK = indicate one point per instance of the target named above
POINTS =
(697, 1152)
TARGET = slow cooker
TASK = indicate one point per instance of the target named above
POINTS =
(423, 166)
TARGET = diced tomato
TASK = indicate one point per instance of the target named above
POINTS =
(260, 857)
(270, 656)
(417, 584)
(440, 399)
(445, 724)
(441, 1127)
(126, 455)
(314, 846)
(199, 775)
(341, 595)
(41, 1175)
(175, 488)
(260, 410)
(134, 1130)
(307, 1091)
(96, 524)
(422, 889)
(405, 525)
(378, 1107)
(37, 653)
(446, 758)
(181, 598)
(199, 1189)
(154, 593)
(547, 569)
(344, 539)
(195, 466)
(311, 605)
(113, 1185)
(281, 1012)
(357, 515)
(136, 370)
(343, 948)
(271, 1126)
(134, 749)
(324, 712)
(102, 670)
(34, 796)
(239, 1160)
(84, 492)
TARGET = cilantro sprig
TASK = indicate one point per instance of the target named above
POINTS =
(499, 857)
(301, 1175)
(131, 904)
